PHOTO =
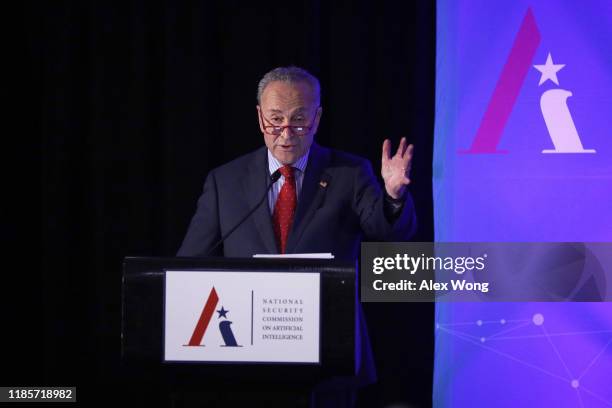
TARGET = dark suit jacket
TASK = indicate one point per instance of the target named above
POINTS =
(333, 217)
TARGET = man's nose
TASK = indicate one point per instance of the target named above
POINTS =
(286, 132)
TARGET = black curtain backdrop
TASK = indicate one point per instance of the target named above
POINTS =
(141, 99)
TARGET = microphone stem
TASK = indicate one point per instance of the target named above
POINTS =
(239, 223)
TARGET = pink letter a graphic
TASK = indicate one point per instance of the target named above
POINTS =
(508, 87)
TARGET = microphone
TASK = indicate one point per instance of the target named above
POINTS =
(273, 179)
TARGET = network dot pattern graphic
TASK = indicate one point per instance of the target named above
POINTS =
(495, 339)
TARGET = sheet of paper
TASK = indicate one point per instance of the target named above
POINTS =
(311, 256)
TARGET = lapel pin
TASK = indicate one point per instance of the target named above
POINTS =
(323, 183)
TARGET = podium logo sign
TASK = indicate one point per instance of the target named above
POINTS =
(242, 316)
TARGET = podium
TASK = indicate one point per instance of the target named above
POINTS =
(239, 325)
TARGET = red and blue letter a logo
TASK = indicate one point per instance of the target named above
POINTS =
(204, 320)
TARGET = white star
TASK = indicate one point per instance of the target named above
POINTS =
(549, 70)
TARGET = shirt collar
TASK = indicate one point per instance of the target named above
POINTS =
(274, 164)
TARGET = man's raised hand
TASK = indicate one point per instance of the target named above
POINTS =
(395, 169)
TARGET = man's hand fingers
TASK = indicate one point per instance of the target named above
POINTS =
(386, 150)
(404, 146)
(401, 147)
(409, 151)
(407, 158)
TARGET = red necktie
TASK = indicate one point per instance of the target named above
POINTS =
(284, 210)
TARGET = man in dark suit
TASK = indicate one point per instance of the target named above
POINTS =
(324, 201)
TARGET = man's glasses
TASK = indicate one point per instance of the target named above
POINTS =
(276, 130)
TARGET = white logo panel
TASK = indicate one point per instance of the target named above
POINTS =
(242, 316)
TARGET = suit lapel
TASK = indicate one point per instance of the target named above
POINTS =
(311, 195)
(254, 186)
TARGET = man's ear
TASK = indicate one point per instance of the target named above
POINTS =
(318, 118)
(259, 114)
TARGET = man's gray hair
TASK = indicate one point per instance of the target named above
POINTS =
(290, 74)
